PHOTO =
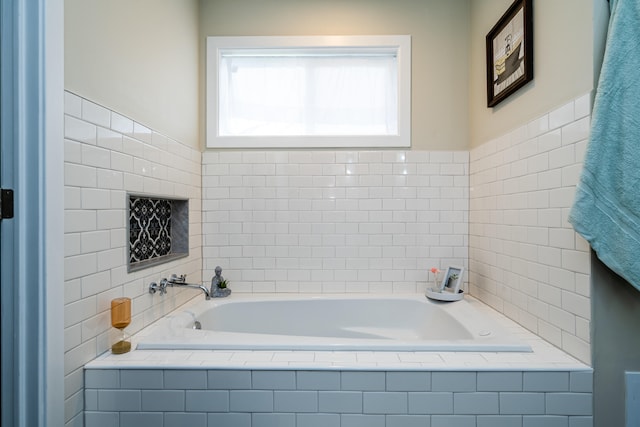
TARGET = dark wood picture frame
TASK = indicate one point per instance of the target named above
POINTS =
(510, 52)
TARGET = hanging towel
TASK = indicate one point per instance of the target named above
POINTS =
(606, 211)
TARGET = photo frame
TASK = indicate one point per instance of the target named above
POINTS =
(509, 47)
(452, 279)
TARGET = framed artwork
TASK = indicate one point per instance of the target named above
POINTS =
(510, 52)
(452, 279)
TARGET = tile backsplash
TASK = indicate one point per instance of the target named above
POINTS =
(333, 221)
(327, 221)
(525, 259)
(108, 156)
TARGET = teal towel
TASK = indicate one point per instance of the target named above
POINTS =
(606, 211)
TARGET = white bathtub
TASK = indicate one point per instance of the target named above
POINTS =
(329, 322)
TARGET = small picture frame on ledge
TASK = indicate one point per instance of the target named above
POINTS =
(450, 287)
(452, 279)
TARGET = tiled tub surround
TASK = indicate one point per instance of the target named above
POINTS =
(206, 388)
(333, 221)
(342, 221)
(303, 398)
(108, 156)
(525, 259)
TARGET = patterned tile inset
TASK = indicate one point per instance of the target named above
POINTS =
(149, 228)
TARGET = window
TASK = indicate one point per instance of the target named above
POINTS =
(314, 91)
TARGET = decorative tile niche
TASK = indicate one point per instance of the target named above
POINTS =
(158, 230)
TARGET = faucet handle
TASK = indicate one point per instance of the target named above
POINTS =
(162, 287)
(178, 279)
(153, 287)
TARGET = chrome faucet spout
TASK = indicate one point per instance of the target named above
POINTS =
(207, 295)
(181, 282)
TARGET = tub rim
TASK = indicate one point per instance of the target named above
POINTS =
(173, 332)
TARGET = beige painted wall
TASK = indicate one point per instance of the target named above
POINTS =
(563, 64)
(139, 58)
(439, 30)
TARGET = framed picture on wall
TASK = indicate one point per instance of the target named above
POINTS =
(510, 52)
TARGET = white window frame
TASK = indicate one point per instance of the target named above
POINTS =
(401, 44)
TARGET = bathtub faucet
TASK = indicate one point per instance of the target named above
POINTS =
(181, 280)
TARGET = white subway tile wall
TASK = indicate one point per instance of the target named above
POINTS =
(106, 156)
(333, 221)
(256, 398)
(525, 260)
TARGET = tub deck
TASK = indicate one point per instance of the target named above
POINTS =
(304, 388)
(331, 322)
(543, 356)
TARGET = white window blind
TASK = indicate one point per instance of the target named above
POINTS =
(319, 93)
(287, 93)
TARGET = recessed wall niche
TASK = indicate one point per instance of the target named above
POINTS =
(158, 230)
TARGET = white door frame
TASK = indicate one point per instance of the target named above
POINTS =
(32, 263)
